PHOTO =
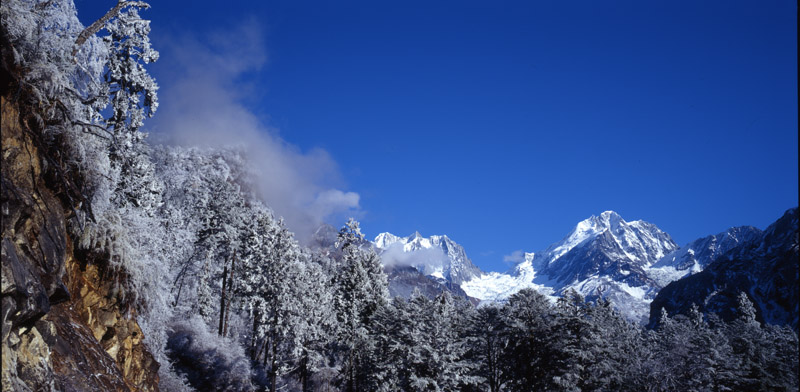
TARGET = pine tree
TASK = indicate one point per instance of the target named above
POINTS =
(316, 319)
(486, 337)
(222, 215)
(673, 353)
(710, 363)
(133, 94)
(577, 342)
(749, 346)
(618, 350)
(361, 290)
(529, 353)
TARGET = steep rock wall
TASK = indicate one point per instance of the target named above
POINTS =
(63, 326)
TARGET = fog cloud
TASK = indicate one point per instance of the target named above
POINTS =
(202, 95)
(515, 257)
(426, 259)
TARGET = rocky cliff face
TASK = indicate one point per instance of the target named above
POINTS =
(63, 326)
(405, 280)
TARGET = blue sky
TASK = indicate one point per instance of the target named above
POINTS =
(503, 124)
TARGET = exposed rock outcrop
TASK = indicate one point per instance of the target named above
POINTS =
(63, 326)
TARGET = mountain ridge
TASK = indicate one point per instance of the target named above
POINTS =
(627, 262)
(765, 267)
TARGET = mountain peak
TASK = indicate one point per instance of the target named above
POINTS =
(383, 240)
(609, 214)
(608, 219)
(456, 267)
(638, 242)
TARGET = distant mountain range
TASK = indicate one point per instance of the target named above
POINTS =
(627, 262)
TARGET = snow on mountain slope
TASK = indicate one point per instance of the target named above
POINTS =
(602, 256)
(437, 255)
(497, 287)
(695, 256)
(639, 242)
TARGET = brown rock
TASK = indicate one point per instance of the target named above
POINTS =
(88, 341)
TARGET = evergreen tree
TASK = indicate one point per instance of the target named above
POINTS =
(618, 351)
(361, 290)
(529, 352)
(316, 322)
(222, 220)
(133, 94)
(577, 342)
(486, 338)
(750, 347)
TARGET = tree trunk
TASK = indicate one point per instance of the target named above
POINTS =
(351, 387)
(491, 364)
(304, 371)
(273, 371)
(253, 338)
(222, 299)
(263, 352)
(228, 302)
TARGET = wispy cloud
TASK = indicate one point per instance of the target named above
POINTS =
(427, 259)
(202, 99)
(515, 257)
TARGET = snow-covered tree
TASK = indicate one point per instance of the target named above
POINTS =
(528, 355)
(618, 349)
(485, 337)
(361, 290)
(316, 321)
(577, 342)
(222, 219)
(750, 347)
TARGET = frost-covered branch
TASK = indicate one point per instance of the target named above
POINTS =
(100, 23)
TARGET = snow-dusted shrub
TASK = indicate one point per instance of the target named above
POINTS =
(209, 362)
(66, 91)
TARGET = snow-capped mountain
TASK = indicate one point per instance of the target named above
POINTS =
(625, 262)
(695, 256)
(437, 256)
(764, 265)
(606, 245)
(602, 256)
(639, 242)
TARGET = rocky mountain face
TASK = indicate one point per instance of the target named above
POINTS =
(606, 256)
(696, 255)
(428, 264)
(63, 325)
(764, 266)
(606, 245)
(437, 255)
(628, 263)
(625, 262)
(405, 280)
(603, 255)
